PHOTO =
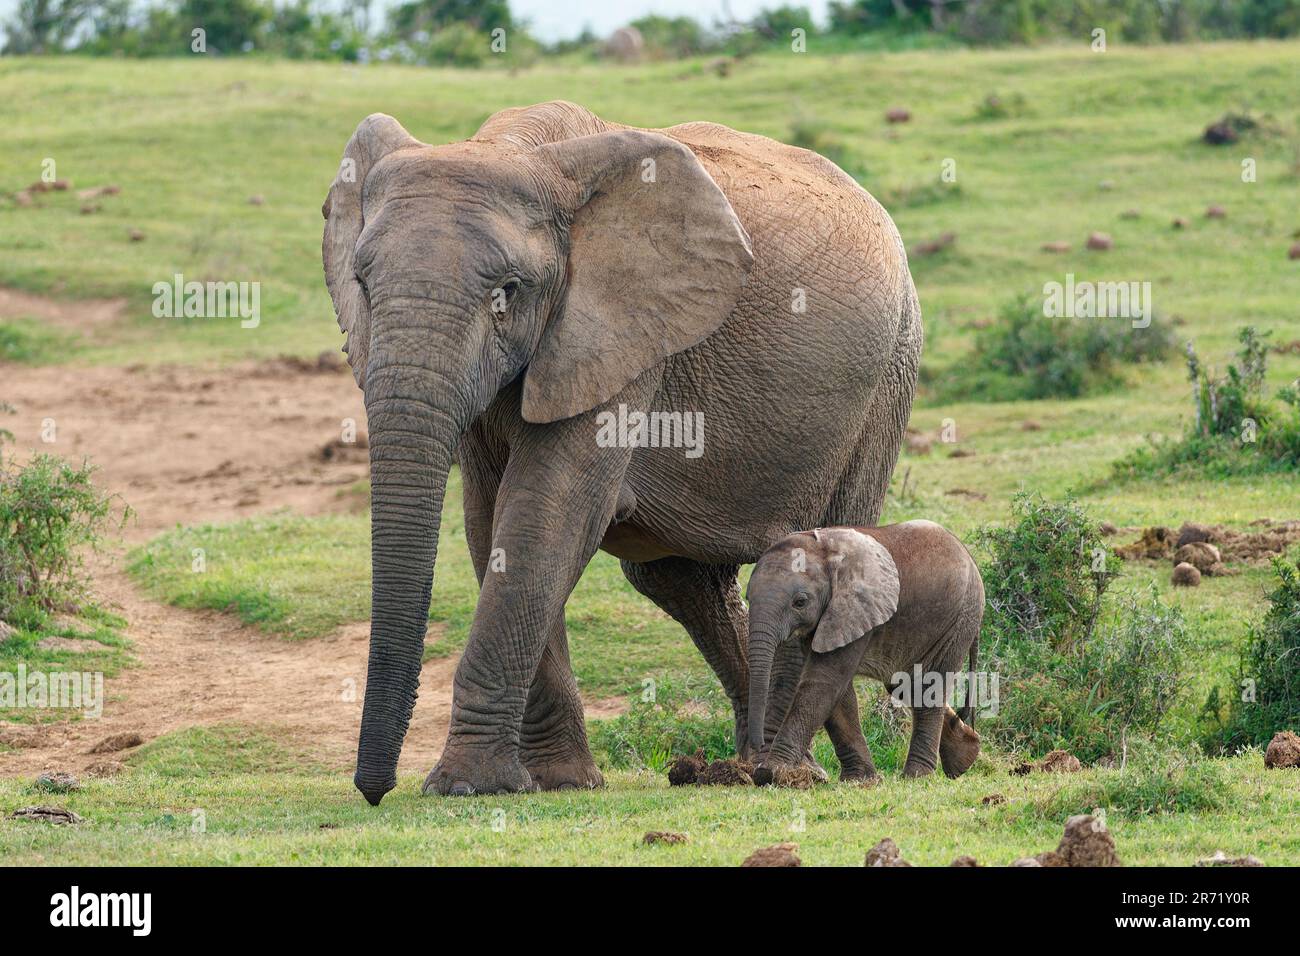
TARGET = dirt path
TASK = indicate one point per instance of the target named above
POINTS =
(191, 445)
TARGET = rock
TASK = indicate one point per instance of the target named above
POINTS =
(1057, 247)
(116, 742)
(1222, 859)
(726, 773)
(1191, 532)
(686, 770)
(897, 114)
(934, 245)
(1283, 751)
(885, 853)
(56, 782)
(663, 836)
(1060, 761)
(782, 854)
(918, 444)
(1180, 222)
(1186, 576)
(964, 861)
(1107, 528)
(1100, 241)
(1216, 212)
(1220, 133)
(55, 815)
(993, 799)
(1087, 842)
(1199, 554)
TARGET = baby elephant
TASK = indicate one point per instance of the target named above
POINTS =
(871, 601)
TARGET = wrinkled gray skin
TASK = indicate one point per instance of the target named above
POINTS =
(499, 294)
(869, 601)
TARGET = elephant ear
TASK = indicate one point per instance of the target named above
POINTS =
(375, 137)
(864, 589)
(657, 261)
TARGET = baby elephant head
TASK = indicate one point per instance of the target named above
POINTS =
(836, 585)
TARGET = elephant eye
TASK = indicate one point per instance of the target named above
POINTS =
(503, 296)
(801, 600)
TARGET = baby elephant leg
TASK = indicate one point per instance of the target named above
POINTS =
(844, 727)
(959, 744)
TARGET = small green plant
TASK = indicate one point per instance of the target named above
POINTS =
(1030, 355)
(49, 510)
(1235, 429)
(1266, 698)
(1151, 783)
(680, 715)
(1076, 670)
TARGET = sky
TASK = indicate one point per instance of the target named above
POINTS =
(560, 19)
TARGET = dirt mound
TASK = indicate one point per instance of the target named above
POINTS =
(116, 742)
(1186, 576)
(782, 854)
(885, 853)
(727, 773)
(685, 771)
(1159, 543)
(663, 836)
(1283, 751)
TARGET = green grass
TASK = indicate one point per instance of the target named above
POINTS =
(97, 646)
(28, 342)
(1130, 118)
(254, 817)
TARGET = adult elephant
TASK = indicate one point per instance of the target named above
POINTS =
(503, 295)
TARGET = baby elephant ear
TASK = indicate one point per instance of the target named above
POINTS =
(864, 589)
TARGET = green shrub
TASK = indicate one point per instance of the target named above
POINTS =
(1030, 355)
(1076, 671)
(1152, 783)
(1235, 430)
(49, 509)
(1266, 698)
(681, 716)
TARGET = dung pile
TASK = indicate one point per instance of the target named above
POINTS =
(1283, 751)
(695, 770)
(885, 853)
(1086, 842)
(783, 854)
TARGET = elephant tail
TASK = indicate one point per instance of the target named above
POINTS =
(968, 709)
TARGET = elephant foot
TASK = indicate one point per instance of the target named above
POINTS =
(577, 773)
(866, 776)
(914, 771)
(465, 771)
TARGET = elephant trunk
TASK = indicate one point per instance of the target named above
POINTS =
(416, 416)
(762, 648)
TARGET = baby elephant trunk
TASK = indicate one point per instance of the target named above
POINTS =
(762, 648)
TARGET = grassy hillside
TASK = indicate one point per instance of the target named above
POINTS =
(1077, 141)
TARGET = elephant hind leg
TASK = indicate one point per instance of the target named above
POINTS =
(923, 751)
(704, 599)
(959, 744)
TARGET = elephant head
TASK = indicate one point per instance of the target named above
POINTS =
(574, 262)
(835, 584)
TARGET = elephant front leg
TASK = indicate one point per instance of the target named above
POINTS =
(553, 741)
(824, 680)
(551, 512)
